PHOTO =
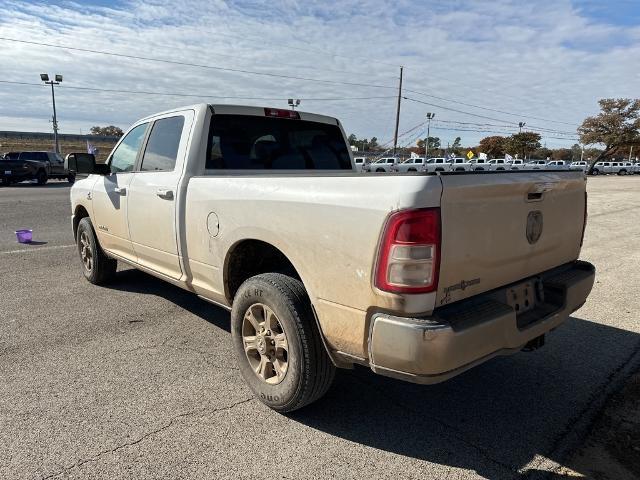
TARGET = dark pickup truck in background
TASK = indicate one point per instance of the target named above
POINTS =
(40, 166)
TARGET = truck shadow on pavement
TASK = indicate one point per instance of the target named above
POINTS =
(501, 419)
(135, 281)
(495, 419)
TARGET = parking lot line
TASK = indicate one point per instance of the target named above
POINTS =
(36, 249)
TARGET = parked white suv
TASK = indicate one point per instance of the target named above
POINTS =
(626, 168)
(437, 164)
(609, 167)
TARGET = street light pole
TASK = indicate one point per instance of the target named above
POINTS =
(57, 79)
(520, 125)
(426, 145)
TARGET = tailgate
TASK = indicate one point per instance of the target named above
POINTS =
(503, 227)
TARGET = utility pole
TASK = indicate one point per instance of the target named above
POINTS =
(395, 135)
(426, 145)
(57, 79)
(630, 152)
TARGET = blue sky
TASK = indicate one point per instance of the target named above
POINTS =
(481, 65)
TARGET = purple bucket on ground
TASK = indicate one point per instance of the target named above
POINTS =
(24, 236)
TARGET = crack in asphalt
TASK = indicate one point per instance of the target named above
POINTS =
(205, 355)
(587, 415)
(143, 437)
(454, 433)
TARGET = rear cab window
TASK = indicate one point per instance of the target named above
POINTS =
(248, 142)
(161, 151)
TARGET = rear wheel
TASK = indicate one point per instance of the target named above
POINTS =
(96, 266)
(595, 172)
(622, 172)
(42, 177)
(71, 178)
(277, 343)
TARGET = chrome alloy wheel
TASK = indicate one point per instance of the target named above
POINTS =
(265, 343)
(86, 255)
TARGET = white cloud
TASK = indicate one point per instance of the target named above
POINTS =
(540, 58)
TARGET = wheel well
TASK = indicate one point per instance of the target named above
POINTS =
(253, 257)
(79, 214)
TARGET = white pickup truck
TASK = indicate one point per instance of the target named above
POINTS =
(460, 164)
(409, 165)
(260, 211)
(385, 164)
(436, 164)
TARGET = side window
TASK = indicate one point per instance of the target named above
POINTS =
(124, 156)
(162, 147)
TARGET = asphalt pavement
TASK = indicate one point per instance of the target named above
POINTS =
(138, 380)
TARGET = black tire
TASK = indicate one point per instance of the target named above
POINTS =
(310, 371)
(622, 172)
(42, 177)
(103, 268)
(5, 182)
(595, 172)
(71, 178)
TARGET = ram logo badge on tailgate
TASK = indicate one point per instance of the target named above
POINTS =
(534, 226)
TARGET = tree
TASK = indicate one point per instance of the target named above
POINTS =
(542, 153)
(434, 144)
(524, 142)
(110, 131)
(562, 154)
(455, 146)
(493, 146)
(352, 139)
(617, 125)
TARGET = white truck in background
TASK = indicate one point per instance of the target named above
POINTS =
(557, 165)
(409, 165)
(436, 164)
(384, 164)
(259, 210)
(460, 164)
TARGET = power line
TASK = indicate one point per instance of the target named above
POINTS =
(520, 115)
(530, 127)
(197, 65)
(192, 95)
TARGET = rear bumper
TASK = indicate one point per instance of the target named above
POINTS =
(467, 333)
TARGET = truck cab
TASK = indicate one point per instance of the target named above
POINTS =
(436, 164)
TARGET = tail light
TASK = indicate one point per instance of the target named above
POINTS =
(409, 256)
(584, 222)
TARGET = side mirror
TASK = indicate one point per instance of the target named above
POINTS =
(85, 163)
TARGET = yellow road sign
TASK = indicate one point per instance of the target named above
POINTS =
(469, 154)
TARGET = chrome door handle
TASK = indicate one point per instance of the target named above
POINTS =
(120, 190)
(165, 194)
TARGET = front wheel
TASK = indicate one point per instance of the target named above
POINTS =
(71, 178)
(42, 177)
(277, 343)
(96, 266)
(595, 172)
